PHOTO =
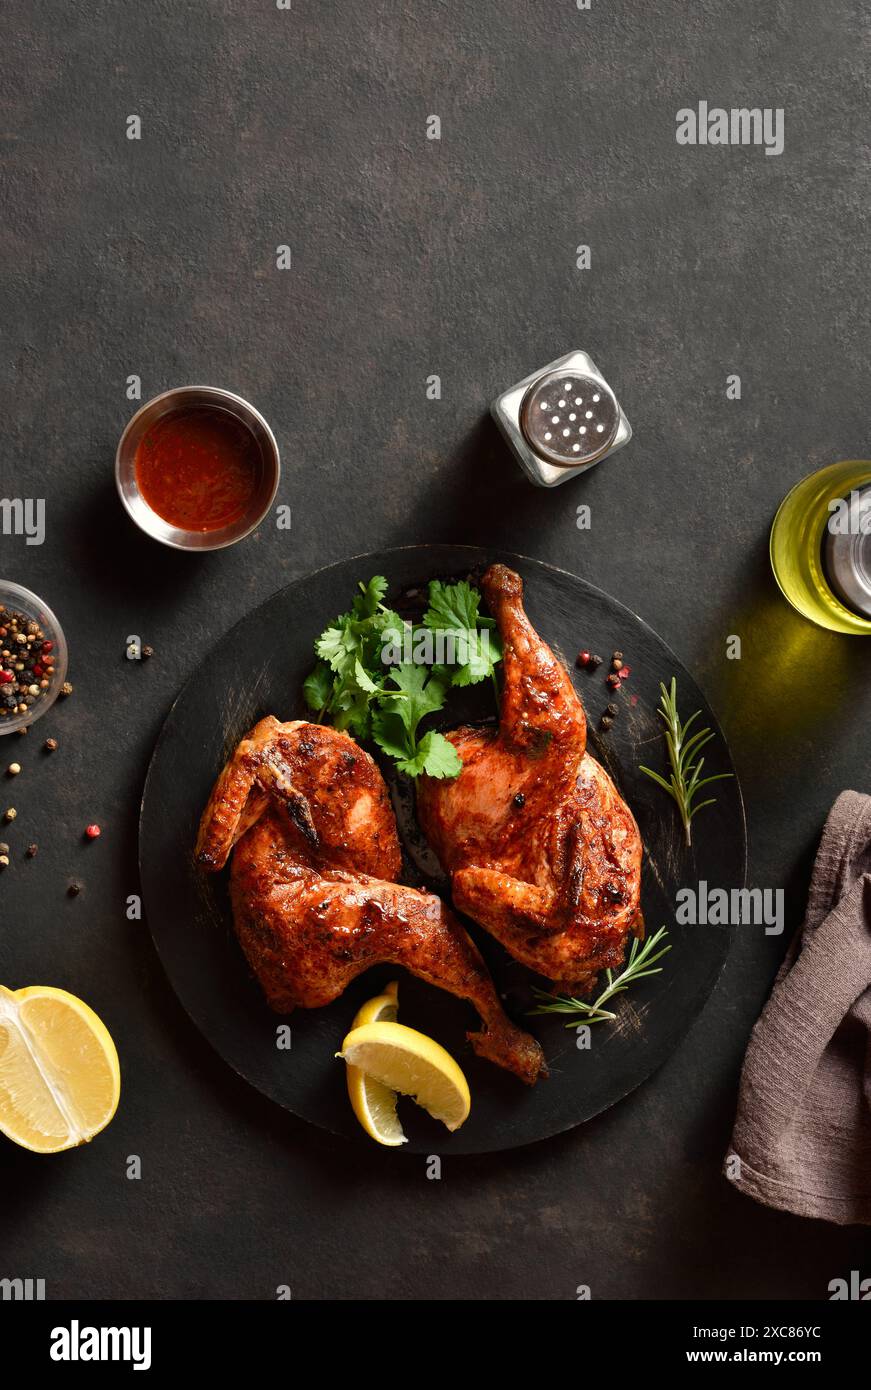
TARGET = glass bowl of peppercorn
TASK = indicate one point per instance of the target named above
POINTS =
(33, 657)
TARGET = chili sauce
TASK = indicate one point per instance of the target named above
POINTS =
(198, 468)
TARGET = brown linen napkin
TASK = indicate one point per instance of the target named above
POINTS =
(802, 1135)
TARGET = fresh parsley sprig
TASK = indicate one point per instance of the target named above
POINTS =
(362, 682)
(637, 967)
(453, 612)
(686, 779)
(413, 693)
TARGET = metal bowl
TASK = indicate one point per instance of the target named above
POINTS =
(21, 600)
(148, 520)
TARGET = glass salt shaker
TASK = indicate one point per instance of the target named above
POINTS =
(561, 420)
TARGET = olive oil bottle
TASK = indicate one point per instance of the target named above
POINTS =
(821, 547)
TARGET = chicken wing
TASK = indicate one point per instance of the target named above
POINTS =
(312, 882)
(541, 849)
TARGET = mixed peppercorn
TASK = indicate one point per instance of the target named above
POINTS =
(617, 674)
(27, 667)
(26, 662)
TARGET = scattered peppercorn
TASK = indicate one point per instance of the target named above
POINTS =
(4, 861)
(595, 662)
(614, 681)
(50, 745)
(147, 652)
(23, 730)
(92, 832)
(4, 849)
(519, 800)
(618, 657)
(13, 769)
(624, 672)
(31, 851)
(606, 721)
(66, 689)
(616, 663)
(582, 658)
(613, 710)
(10, 814)
(74, 890)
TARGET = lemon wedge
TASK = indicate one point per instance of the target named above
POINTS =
(373, 1103)
(383, 1008)
(404, 1060)
(60, 1080)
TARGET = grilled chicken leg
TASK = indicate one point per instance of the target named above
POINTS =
(541, 848)
(314, 901)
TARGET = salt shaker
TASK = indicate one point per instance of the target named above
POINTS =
(561, 420)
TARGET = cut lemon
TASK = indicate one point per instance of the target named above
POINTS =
(413, 1064)
(59, 1075)
(373, 1103)
(383, 1008)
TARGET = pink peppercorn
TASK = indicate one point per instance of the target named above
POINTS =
(92, 832)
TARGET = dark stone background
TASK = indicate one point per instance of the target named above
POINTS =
(410, 257)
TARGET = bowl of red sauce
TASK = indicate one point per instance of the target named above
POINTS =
(197, 468)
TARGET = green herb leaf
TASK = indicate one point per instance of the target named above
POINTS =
(364, 680)
(336, 643)
(394, 725)
(423, 693)
(318, 686)
(368, 601)
(453, 612)
(452, 605)
(435, 755)
(391, 735)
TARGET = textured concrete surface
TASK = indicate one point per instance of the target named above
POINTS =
(409, 257)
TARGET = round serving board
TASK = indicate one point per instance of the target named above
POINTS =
(257, 669)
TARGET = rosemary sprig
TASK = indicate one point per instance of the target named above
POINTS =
(686, 779)
(641, 959)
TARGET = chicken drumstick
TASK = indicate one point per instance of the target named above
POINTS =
(541, 848)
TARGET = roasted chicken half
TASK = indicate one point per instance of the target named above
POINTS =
(541, 848)
(312, 882)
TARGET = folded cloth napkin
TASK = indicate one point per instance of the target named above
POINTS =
(802, 1136)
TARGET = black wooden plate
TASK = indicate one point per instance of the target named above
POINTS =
(258, 669)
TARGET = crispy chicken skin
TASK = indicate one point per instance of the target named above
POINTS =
(314, 901)
(541, 849)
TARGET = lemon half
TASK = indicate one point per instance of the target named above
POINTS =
(404, 1060)
(60, 1080)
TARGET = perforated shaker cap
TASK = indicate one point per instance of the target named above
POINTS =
(847, 554)
(569, 419)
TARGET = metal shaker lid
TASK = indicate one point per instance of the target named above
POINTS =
(847, 551)
(568, 418)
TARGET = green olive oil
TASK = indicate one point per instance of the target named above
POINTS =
(797, 538)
